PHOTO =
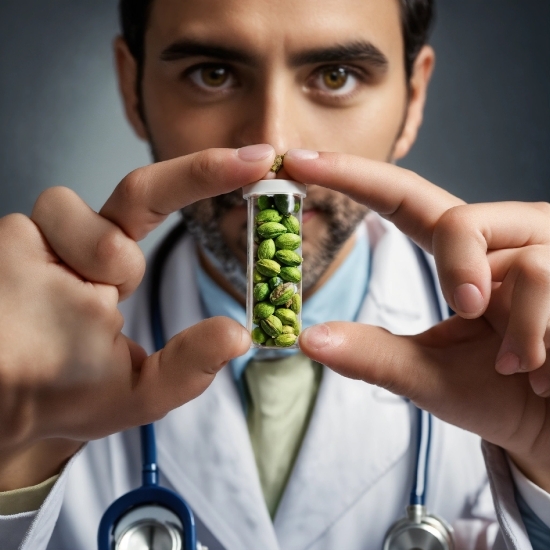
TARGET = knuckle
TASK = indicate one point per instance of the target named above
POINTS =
(49, 200)
(534, 265)
(16, 225)
(454, 220)
(206, 166)
(111, 246)
(132, 187)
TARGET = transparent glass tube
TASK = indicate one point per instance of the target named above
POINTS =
(274, 270)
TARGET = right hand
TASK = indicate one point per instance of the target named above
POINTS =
(67, 374)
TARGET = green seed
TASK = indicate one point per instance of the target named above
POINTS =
(287, 329)
(291, 274)
(259, 336)
(266, 250)
(271, 230)
(257, 277)
(286, 242)
(287, 316)
(288, 257)
(270, 342)
(282, 294)
(292, 224)
(263, 310)
(269, 268)
(285, 340)
(297, 206)
(284, 203)
(264, 202)
(296, 303)
(268, 215)
(261, 292)
(272, 326)
(297, 327)
(274, 282)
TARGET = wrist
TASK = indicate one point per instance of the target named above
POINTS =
(35, 463)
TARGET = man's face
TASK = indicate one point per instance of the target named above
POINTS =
(315, 74)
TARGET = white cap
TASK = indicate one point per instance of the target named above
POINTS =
(271, 187)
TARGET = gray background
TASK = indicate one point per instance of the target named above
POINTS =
(486, 133)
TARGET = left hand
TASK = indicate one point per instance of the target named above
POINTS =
(493, 262)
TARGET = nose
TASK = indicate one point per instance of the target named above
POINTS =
(272, 115)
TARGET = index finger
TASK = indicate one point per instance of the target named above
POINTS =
(409, 201)
(146, 196)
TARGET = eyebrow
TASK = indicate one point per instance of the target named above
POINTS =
(354, 51)
(191, 48)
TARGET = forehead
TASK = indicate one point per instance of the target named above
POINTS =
(269, 27)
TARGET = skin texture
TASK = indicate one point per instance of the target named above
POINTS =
(67, 374)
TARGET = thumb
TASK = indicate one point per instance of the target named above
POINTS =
(188, 364)
(372, 354)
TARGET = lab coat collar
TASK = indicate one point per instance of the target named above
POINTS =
(204, 447)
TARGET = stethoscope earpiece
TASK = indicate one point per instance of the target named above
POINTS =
(419, 531)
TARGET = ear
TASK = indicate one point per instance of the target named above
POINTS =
(418, 88)
(127, 73)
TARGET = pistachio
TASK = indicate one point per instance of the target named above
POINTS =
(272, 326)
(274, 282)
(297, 328)
(288, 257)
(261, 291)
(287, 316)
(277, 163)
(291, 274)
(257, 277)
(285, 340)
(292, 224)
(270, 342)
(296, 303)
(287, 329)
(262, 310)
(266, 250)
(259, 336)
(269, 268)
(264, 202)
(284, 203)
(271, 230)
(268, 215)
(287, 241)
(282, 294)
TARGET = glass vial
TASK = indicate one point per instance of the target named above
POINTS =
(274, 269)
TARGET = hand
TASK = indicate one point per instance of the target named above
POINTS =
(493, 263)
(67, 374)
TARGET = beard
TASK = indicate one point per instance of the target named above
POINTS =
(340, 215)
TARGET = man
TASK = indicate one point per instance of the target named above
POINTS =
(218, 87)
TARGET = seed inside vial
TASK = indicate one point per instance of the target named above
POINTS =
(277, 270)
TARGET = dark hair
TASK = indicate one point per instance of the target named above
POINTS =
(416, 21)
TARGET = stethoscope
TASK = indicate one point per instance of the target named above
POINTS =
(154, 518)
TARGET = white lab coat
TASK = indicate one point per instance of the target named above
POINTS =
(353, 474)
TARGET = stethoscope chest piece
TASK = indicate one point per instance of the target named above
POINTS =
(149, 528)
(419, 531)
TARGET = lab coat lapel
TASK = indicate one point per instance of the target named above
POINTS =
(204, 448)
(335, 467)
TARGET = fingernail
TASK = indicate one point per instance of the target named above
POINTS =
(508, 363)
(254, 153)
(540, 383)
(468, 299)
(320, 336)
(301, 154)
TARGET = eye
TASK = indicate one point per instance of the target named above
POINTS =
(335, 81)
(212, 77)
